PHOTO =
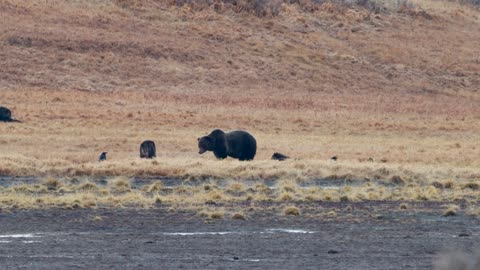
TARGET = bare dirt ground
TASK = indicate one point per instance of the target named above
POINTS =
(371, 237)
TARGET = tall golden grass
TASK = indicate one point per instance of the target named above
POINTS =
(215, 194)
(93, 76)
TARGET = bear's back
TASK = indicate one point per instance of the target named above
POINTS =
(241, 144)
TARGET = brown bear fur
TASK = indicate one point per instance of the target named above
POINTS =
(148, 150)
(237, 144)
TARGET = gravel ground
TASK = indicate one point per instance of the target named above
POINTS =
(160, 239)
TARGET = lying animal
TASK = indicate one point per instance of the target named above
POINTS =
(279, 156)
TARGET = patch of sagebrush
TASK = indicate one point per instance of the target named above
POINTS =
(271, 8)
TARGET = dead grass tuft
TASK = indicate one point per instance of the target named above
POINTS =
(120, 184)
(332, 214)
(216, 215)
(97, 218)
(88, 186)
(473, 186)
(291, 211)
(452, 210)
(156, 186)
(52, 183)
(239, 216)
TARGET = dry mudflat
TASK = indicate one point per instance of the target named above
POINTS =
(367, 235)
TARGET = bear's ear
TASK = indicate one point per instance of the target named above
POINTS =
(198, 139)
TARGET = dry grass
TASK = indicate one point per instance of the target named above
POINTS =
(452, 210)
(310, 83)
(118, 192)
(291, 211)
(97, 218)
(239, 216)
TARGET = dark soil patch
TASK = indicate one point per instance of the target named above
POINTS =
(158, 238)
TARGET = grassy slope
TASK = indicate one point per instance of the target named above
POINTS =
(88, 76)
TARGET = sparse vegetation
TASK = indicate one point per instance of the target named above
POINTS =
(291, 95)
(216, 215)
(97, 218)
(120, 184)
(452, 210)
(239, 216)
(291, 211)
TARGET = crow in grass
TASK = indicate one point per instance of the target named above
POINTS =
(6, 115)
(103, 157)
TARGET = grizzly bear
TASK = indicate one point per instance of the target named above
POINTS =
(148, 150)
(236, 144)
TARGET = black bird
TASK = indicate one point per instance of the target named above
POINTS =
(334, 158)
(6, 115)
(103, 157)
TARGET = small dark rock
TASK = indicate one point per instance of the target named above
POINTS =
(235, 258)
(331, 251)
(334, 158)
(149, 242)
(464, 235)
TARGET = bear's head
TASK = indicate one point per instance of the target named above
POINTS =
(205, 144)
(212, 142)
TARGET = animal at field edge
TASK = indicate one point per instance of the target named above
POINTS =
(148, 150)
(237, 144)
(6, 115)
(103, 157)
(279, 156)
